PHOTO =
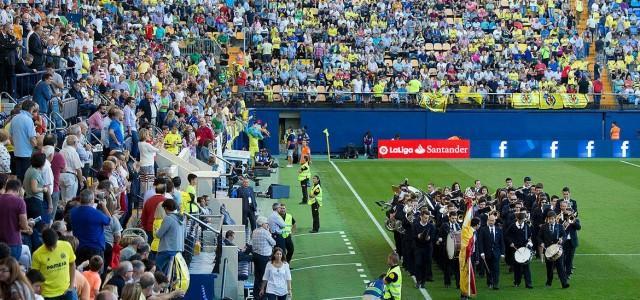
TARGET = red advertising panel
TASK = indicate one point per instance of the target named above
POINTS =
(424, 149)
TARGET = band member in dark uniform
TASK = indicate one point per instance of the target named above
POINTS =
(553, 233)
(571, 225)
(424, 232)
(491, 248)
(519, 235)
(451, 266)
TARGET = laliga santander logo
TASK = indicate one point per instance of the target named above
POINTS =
(383, 150)
(420, 150)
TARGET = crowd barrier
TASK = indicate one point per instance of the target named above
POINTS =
(435, 101)
(26, 82)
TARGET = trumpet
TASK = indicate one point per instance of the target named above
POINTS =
(460, 218)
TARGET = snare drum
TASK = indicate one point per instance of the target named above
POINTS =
(453, 244)
(553, 252)
(523, 255)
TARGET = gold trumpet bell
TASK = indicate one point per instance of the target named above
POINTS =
(395, 188)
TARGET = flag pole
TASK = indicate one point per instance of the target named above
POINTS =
(326, 134)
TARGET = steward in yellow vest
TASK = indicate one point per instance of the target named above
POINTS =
(393, 279)
(315, 200)
(304, 173)
(289, 228)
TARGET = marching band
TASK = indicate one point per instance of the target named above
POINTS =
(517, 225)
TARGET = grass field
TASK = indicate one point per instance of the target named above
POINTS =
(350, 248)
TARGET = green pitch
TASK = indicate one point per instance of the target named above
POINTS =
(351, 249)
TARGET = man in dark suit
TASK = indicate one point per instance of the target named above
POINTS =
(519, 235)
(571, 226)
(145, 107)
(423, 233)
(8, 57)
(491, 248)
(566, 196)
(549, 234)
(249, 205)
(450, 265)
(36, 48)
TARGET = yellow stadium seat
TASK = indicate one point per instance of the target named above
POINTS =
(388, 63)
(428, 47)
(446, 47)
(415, 63)
(437, 47)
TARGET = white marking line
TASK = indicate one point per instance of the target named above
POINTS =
(346, 240)
(358, 265)
(373, 219)
(341, 232)
(363, 276)
(325, 255)
(350, 248)
(341, 298)
(360, 270)
(628, 163)
(347, 243)
(608, 254)
(321, 232)
(324, 266)
(343, 236)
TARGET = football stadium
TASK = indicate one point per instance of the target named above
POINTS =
(322, 150)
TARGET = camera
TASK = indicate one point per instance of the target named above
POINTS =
(100, 196)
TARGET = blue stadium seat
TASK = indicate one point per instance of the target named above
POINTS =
(633, 30)
(635, 3)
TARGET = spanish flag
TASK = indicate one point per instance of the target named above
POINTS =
(467, 243)
(436, 102)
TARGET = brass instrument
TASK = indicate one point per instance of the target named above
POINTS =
(460, 218)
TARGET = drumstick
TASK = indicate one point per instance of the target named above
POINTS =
(487, 266)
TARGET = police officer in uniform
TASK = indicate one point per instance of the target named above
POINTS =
(393, 278)
(287, 231)
(315, 200)
(8, 58)
(304, 173)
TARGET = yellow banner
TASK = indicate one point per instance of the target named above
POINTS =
(529, 100)
(544, 100)
(575, 100)
(436, 102)
(551, 101)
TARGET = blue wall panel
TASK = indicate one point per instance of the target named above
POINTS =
(349, 125)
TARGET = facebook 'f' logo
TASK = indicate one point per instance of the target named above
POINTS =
(590, 147)
(554, 149)
(502, 148)
(623, 148)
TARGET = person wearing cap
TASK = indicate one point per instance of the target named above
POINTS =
(549, 234)
(262, 244)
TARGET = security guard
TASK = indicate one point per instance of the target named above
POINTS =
(289, 228)
(315, 202)
(393, 279)
(304, 173)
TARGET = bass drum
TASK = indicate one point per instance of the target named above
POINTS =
(453, 244)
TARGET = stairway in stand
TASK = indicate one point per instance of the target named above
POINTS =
(608, 99)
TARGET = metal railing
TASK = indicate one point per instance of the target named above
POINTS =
(199, 231)
(454, 100)
(26, 82)
(199, 45)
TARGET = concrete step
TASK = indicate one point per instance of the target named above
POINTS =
(202, 263)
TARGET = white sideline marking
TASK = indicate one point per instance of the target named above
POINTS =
(321, 232)
(360, 270)
(347, 243)
(608, 254)
(341, 298)
(363, 276)
(346, 240)
(373, 219)
(628, 163)
(324, 266)
(358, 265)
(325, 255)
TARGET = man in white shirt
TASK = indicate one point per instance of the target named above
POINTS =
(71, 177)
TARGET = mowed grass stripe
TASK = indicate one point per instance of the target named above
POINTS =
(596, 277)
(336, 215)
